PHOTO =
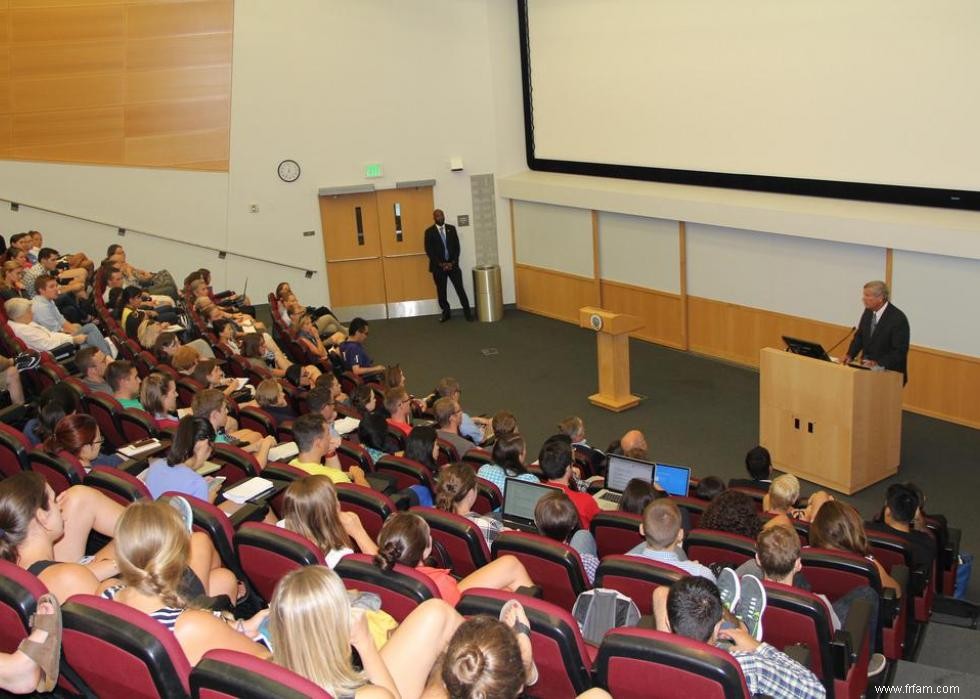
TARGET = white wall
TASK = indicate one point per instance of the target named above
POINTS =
(640, 251)
(333, 85)
(554, 237)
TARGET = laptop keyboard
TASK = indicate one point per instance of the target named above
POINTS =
(612, 497)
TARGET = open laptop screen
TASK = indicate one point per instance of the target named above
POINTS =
(520, 499)
(622, 470)
(674, 479)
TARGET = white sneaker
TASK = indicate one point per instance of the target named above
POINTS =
(179, 503)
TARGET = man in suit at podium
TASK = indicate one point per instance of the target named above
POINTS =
(442, 247)
(882, 336)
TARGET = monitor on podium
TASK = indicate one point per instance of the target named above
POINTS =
(805, 348)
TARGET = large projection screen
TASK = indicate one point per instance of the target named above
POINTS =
(875, 99)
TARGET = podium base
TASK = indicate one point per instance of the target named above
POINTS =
(614, 404)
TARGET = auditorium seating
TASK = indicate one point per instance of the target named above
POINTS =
(554, 566)
(267, 553)
(616, 532)
(226, 673)
(401, 589)
(460, 537)
(636, 577)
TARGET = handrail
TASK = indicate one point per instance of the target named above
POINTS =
(123, 230)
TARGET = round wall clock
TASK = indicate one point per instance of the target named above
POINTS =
(288, 171)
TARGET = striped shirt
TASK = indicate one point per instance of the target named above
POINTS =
(165, 615)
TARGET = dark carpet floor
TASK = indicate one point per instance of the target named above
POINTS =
(696, 412)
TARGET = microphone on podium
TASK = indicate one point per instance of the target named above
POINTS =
(849, 333)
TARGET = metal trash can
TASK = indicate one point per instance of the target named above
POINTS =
(489, 297)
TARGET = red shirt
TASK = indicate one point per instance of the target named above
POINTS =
(448, 587)
(403, 426)
(584, 503)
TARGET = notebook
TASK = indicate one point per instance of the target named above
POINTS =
(520, 499)
(284, 451)
(249, 490)
(141, 447)
(674, 479)
(620, 472)
(207, 468)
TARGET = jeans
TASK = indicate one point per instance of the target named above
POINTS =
(94, 338)
(843, 605)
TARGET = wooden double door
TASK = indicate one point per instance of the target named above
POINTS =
(375, 249)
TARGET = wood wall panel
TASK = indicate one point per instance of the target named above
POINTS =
(125, 82)
(660, 311)
(553, 294)
(944, 385)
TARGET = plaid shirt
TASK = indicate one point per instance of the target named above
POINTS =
(30, 276)
(768, 671)
(489, 527)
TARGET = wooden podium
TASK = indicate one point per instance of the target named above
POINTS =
(831, 424)
(613, 344)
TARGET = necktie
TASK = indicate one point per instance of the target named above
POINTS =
(874, 324)
(445, 247)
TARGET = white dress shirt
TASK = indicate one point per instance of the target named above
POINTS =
(37, 337)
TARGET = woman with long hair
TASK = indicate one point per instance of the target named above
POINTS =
(838, 526)
(47, 535)
(456, 492)
(158, 395)
(363, 400)
(177, 472)
(11, 284)
(421, 446)
(310, 508)
(556, 518)
(372, 433)
(306, 334)
(153, 550)
(405, 539)
(509, 452)
(314, 628)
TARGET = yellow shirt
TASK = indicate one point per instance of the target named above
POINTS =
(314, 469)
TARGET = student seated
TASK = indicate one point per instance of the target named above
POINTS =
(372, 432)
(46, 535)
(732, 512)
(399, 406)
(574, 427)
(326, 322)
(158, 394)
(780, 501)
(318, 451)
(153, 548)
(353, 352)
(124, 381)
(898, 518)
(270, 396)
(555, 460)
(758, 464)
(310, 508)
(212, 405)
(77, 435)
(447, 414)
(694, 610)
(34, 665)
(405, 539)
(329, 379)
(313, 629)
(475, 429)
(456, 492)
(191, 447)
(509, 452)
(709, 487)
(362, 399)
(778, 558)
(663, 537)
(92, 364)
(210, 373)
(504, 424)
(556, 518)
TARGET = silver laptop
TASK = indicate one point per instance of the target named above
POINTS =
(620, 472)
(520, 499)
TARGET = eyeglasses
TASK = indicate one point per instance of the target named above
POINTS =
(97, 442)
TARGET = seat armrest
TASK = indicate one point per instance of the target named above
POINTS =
(953, 538)
(249, 512)
(850, 638)
(800, 653)
(890, 602)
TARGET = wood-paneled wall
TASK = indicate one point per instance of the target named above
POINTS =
(942, 384)
(117, 82)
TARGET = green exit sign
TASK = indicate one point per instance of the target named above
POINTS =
(373, 170)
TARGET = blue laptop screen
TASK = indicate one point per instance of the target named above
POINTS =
(674, 479)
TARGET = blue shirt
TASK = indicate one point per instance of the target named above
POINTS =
(671, 558)
(161, 477)
(47, 315)
(470, 429)
(354, 354)
(496, 475)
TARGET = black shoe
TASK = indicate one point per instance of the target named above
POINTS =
(471, 317)
(445, 317)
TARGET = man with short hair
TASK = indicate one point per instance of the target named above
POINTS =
(882, 337)
(315, 444)
(694, 610)
(212, 405)
(35, 336)
(320, 401)
(399, 406)
(574, 427)
(901, 505)
(448, 416)
(48, 315)
(71, 281)
(161, 283)
(124, 381)
(162, 305)
(92, 364)
(634, 445)
(663, 537)
(474, 429)
(442, 249)
(352, 350)
(758, 464)
(555, 459)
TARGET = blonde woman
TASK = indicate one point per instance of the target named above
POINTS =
(152, 550)
(311, 509)
(313, 629)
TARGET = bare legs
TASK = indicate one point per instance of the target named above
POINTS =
(504, 573)
(84, 509)
(417, 643)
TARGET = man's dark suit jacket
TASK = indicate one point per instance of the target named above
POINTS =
(433, 246)
(889, 346)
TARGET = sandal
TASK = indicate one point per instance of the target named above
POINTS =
(47, 654)
(520, 629)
